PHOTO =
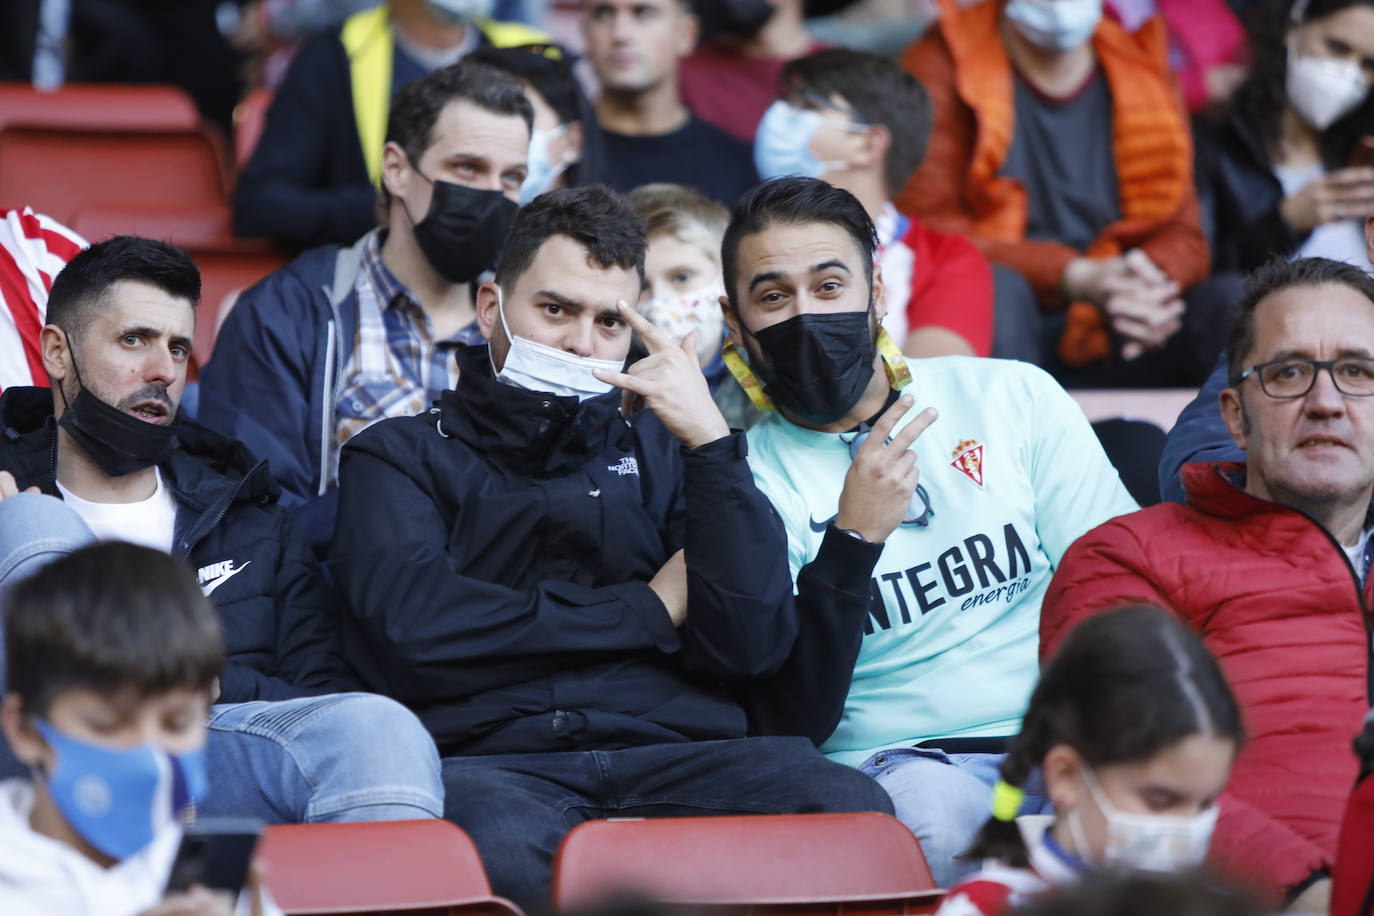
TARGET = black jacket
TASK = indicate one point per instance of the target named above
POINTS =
(1239, 195)
(495, 553)
(279, 616)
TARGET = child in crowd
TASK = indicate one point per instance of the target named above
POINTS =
(683, 285)
(112, 653)
(1134, 730)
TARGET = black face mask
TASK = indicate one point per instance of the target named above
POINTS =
(817, 366)
(118, 443)
(464, 230)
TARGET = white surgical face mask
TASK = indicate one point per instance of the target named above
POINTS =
(455, 12)
(1055, 25)
(782, 144)
(543, 171)
(538, 367)
(1147, 842)
(680, 314)
(1323, 89)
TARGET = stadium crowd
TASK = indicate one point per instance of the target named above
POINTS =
(663, 412)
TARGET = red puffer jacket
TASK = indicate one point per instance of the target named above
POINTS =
(1275, 599)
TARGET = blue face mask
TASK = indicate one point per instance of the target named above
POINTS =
(1055, 25)
(782, 145)
(543, 171)
(118, 800)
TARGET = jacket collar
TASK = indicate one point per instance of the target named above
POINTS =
(1218, 488)
(530, 433)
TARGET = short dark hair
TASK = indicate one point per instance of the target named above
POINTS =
(594, 216)
(880, 92)
(416, 108)
(109, 617)
(1274, 276)
(81, 287)
(790, 201)
(1140, 893)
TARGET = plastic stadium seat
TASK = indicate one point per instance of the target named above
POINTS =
(59, 171)
(196, 224)
(419, 867)
(799, 865)
(226, 269)
(111, 107)
(249, 117)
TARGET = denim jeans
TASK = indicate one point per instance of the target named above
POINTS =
(945, 799)
(517, 807)
(340, 757)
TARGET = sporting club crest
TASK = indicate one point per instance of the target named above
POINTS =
(968, 460)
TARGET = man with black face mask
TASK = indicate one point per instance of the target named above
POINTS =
(926, 505)
(103, 455)
(343, 337)
(566, 597)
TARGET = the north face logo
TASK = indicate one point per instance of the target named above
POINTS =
(626, 466)
(216, 574)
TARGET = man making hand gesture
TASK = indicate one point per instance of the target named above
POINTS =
(567, 596)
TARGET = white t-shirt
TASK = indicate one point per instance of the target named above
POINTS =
(1342, 240)
(149, 522)
(1356, 554)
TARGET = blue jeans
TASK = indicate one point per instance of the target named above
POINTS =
(340, 757)
(945, 799)
(517, 807)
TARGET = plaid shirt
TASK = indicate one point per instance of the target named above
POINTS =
(397, 368)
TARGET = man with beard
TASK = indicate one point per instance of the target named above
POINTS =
(924, 515)
(343, 337)
(102, 455)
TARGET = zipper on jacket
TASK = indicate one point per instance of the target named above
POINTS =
(187, 544)
(326, 405)
(1359, 599)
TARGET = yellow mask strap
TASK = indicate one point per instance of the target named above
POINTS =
(894, 363)
(1006, 800)
(745, 376)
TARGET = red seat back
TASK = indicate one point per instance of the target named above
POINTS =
(249, 117)
(107, 106)
(792, 864)
(58, 171)
(381, 867)
(197, 224)
(225, 269)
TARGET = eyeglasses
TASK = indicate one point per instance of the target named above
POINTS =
(920, 512)
(1293, 377)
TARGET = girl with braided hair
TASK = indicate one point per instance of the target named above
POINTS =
(1133, 729)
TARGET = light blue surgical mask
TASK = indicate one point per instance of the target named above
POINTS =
(118, 800)
(543, 171)
(1055, 25)
(539, 367)
(782, 145)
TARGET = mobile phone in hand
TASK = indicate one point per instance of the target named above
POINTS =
(215, 853)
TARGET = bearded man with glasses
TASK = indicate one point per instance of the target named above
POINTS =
(1269, 560)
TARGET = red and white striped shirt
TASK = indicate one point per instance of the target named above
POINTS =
(33, 248)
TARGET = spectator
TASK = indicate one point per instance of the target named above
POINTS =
(1268, 561)
(1207, 49)
(112, 656)
(343, 337)
(861, 123)
(683, 286)
(1287, 168)
(650, 136)
(919, 603)
(1133, 730)
(1146, 894)
(1101, 222)
(732, 77)
(33, 248)
(566, 599)
(113, 461)
(565, 146)
(315, 174)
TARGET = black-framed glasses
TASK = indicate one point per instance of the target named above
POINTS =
(1293, 376)
(920, 512)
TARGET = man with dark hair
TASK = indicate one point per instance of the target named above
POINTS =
(1269, 561)
(861, 123)
(567, 597)
(918, 582)
(103, 455)
(343, 337)
(314, 175)
(649, 136)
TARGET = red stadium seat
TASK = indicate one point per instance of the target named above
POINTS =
(797, 865)
(249, 117)
(226, 269)
(59, 171)
(198, 224)
(101, 106)
(419, 867)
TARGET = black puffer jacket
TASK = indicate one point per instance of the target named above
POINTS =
(496, 553)
(280, 619)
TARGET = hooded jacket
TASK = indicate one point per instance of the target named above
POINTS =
(1274, 597)
(278, 615)
(496, 553)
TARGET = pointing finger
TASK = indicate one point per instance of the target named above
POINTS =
(689, 346)
(883, 428)
(912, 431)
(654, 339)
